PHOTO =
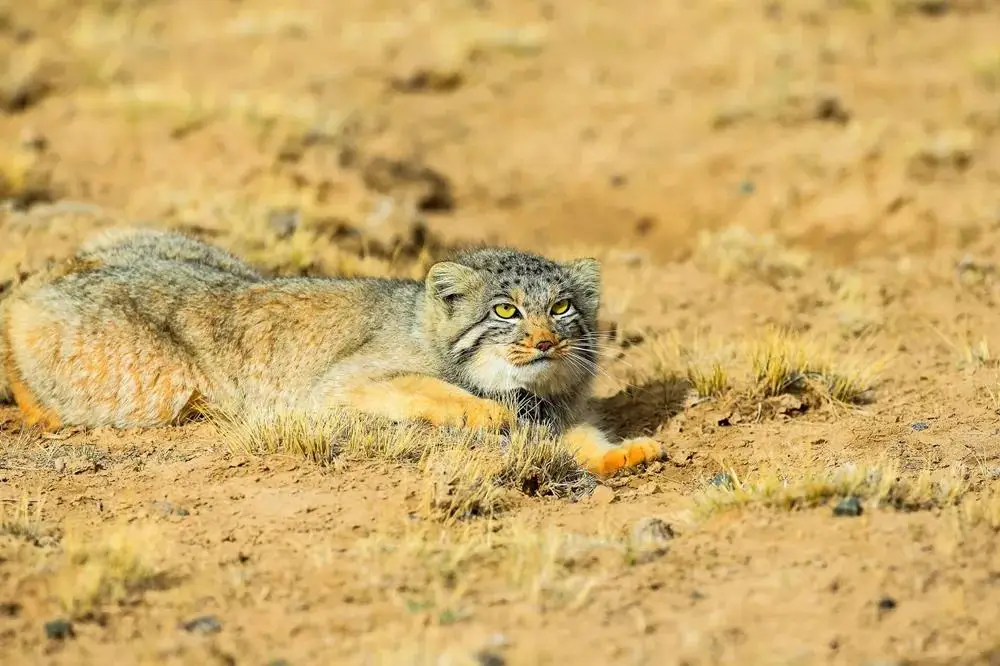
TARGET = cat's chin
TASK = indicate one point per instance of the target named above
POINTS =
(494, 373)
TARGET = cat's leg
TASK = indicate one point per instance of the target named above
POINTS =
(598, 455)
(424, 398)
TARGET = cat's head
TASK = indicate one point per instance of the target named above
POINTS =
(507, 320)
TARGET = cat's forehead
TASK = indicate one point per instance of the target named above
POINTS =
(501, 261)
(510, 270)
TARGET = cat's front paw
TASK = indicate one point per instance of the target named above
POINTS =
(471, 413)
(630, 453)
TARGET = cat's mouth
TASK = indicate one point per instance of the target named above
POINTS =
(526, 359)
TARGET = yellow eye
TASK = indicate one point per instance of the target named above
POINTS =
(560, 307)
(505, 310)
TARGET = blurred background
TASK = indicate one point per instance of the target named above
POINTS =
(848, 127)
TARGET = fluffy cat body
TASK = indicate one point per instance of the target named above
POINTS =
(143, 326)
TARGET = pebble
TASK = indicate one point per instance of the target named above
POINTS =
(59, 630)
(920, 425)
(489, 658)
(648, 488)
(722, 480)
(650, 539)
(886, 603)
(10, 609)
(652, 531)
(849, 506)
(170, 509)
(602, 495)
(205, 624)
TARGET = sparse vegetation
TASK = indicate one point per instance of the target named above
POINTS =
(782, 362)
(775, 363)
(467, 473)
(735, 252)
(707, 365)
(970, 352)
(25, 78)
(778, 203)
(881, 486)
(112, 569)
(22, 519)
(432, 571)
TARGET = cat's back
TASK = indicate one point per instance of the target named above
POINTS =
(137, 246)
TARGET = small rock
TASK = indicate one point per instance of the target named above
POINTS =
(681, 458)
(602, 495)
(787, 404)
(722, 480)
(489, 658)
(650, 538)
(34, 140)
(849, 506)
(652, 530)
(83, 467)
(831, 109)
(284, 221)
(932, 7)
(920, 425)
(170, 509)
(59, 630)
(427, 78)
(205, 624)
(647, 489)
(886, 603)
(409, 179)
(59, 464)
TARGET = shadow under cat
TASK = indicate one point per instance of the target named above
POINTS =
(639, 410)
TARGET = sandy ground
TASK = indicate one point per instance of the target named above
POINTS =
(828, 169)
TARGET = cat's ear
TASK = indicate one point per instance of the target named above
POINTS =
(586, 276)
(447, 281)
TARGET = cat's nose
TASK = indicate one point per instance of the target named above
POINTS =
(544, 345)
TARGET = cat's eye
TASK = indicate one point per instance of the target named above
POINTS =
(505, 310)
(560, 307)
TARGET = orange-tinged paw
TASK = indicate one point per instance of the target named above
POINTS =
(632, 452)
(471, 413)
(489, 415)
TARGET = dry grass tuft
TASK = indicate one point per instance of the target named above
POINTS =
(430, 570)
(735, 252)
(536, 463)
(321, 438)
(25, 78)
(25, 178)
(776, 363)
(111, 570)
(463, 484)
(466, 480)
(707, 365)
(469, 473)
(970, 353)
(983, 510)
(880, 485)
(22, 519)
(783, 362)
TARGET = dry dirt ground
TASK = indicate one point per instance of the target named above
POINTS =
(797, 208)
